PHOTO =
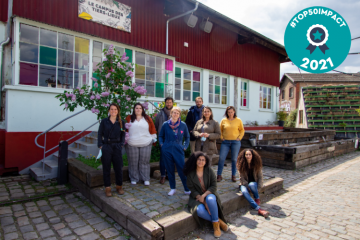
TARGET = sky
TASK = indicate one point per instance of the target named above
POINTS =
(270, 19)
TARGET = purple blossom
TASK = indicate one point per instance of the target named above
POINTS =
(127, 107)
(118, 64)
(124, 57)
(66, 105)
(113, 70)
(108, 75)
(96, 85)
(128, 99)
(67, 95)
(78, 88)
(93, 110)
(118, 100)
(92, 97)
(82, 91)
(127, 125)
(105, 59)
(97, 110)
(107, 105)
(105, 94)
(125, 87)
(130, 74)
(133, 85)
(73, 98)
(98, 96)
(94, 79)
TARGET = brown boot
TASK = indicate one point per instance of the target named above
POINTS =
(263, 213)
(120, 190)
(257, 201)
(223, 225)
(233, 178)
(162, 180)
(219, 178)
(108, 191)
(217, 232)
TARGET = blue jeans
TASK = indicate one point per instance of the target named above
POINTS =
(226, 145)
(162, 165)
(254, 189)
(212, 205)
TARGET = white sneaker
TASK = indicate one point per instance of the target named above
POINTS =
(133, 182)
(146, 183)
(172, 192)
(187, 193)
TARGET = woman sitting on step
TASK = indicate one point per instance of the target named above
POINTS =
(204, 201)
(249, 165)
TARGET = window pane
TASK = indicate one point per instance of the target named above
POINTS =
(187, 85)
(160, 62)
(261, 99)
(196, 76)
(140, 58)
(48, 38)
(169, 65)
(217, 98)
(28, 74)
(47, 76)
(211, 79)
(96, 61)
(264, 90)
(150, 88)
(150, 61)
(29, 34)
(187, 74)
(129, 54)
(178, 72)
(177, 94)
(65, 59)
(217, 80)
(140, 82)
(47, 55)
(66, 41)
(29, 52)
(81, 79)
(223, 100)
(82, 45)
(177, 83)
(223, 92)
(168, 90)
(244, 102)
(195, 95)
(186, 96)
(224, 82)
(196, 86)
(269, 105)
(121, 50)
(245, 86)
(97, 49)
(140, 72)
(160, 75)
(211, 88)
(211, 98)
(217, 89)
(169, 77)
(159, 90)
(150, 74)
(269, 92)
(65, 78)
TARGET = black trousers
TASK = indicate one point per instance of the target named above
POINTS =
(112, 153)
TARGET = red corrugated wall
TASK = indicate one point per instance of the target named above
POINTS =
(216, 51)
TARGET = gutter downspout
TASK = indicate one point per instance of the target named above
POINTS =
(167, 25)
(3, 43)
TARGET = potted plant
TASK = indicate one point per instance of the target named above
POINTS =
(281, 117)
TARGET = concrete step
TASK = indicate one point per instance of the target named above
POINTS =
(86, 146)
(90, 139)
(51, 166)
(74, 152)
(39, 175)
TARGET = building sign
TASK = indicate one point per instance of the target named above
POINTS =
(285, 106)
(107, 12)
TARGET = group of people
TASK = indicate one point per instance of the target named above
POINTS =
(200, 131)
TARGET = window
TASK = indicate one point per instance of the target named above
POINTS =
(52, 59)
(283, 94)
(291, 92)
(151, 73)
(217, 89)
(265, 97)
(244, 94)
(190, 84)
(301, 116)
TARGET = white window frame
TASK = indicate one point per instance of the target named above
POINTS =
(192, 69)
(221, 76)
(261, 97)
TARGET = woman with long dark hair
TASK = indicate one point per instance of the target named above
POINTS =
(249, 165)
(111, 139)
(232, 131)
(204, 201)
(142, 135)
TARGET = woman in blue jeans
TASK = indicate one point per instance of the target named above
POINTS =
(204, 201)
(232, 131)
(249, 165)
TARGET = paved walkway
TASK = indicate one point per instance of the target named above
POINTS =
(295, 215)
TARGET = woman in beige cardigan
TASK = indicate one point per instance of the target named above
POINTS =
(206, 131)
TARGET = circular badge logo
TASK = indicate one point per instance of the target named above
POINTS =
(317, 39)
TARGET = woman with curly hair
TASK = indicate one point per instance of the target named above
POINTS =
(204, 201)
(249, 165)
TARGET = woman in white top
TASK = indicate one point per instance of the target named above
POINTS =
(142, 134)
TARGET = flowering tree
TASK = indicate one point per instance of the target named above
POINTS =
(112, 85)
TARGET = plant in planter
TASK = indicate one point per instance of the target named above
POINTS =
(281, 117)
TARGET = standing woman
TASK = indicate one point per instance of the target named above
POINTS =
(204, 201)
(232, 131)
(206, 131)
(111, 139)
(173, 148)
(142, 135)
(249, 165)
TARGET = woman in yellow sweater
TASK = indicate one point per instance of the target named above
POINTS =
(232, 131)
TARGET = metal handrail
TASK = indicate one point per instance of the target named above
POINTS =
(45, 132)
